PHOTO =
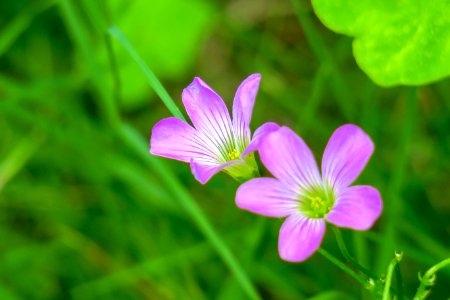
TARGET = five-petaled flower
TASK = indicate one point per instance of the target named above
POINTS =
(309, 199)
(214, 142)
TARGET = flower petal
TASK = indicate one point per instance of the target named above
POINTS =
(243, 108)
(209, 115)
(204, 171)
(176, 139)
(346, 155)
(289, 159)
(259, 134)
(300, 237)
(266, 196)
(357, 207)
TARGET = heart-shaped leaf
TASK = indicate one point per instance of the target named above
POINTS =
(396, 41)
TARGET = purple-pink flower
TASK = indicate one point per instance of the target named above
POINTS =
(307, 198)
(215, 142)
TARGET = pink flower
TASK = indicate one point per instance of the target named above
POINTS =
(214, 142)
(309, 199)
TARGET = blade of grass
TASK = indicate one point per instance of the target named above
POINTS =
(320, 50)
(230, 289)
(136, 143)
(99, 16)
(152, 79)
(307, 114)
(392, 211)
(369, 118)
(79, 32)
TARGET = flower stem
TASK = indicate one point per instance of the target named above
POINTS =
(399, 280)
(349, 258)
(344, 268)
(390, 272)
(428, 279)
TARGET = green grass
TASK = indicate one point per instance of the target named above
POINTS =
(87, 213)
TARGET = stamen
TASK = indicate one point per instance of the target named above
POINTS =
(232, 155)
(317, 202)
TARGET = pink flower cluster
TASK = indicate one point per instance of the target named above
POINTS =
(306, 197)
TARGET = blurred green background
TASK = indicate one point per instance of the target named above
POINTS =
(87, 213)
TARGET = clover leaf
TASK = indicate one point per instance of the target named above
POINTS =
(395, 41)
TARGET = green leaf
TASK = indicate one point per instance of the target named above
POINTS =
(396, 42)
(167, 34)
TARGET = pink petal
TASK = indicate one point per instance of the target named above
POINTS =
(300, 237)
(176, 139)
(258, 136)
(266, 196)
(204, 171)
(243, 106)
(357, 207)
(208, 113)
(289, 159)
(346, 155)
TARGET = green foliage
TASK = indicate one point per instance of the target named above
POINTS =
(153, 81)
(165, 32)
(396, 42)
(85, 211)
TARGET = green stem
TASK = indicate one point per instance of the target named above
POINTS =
(399, 280)
(390, 272)
(344, 268)
(349, 258)
(428, 279)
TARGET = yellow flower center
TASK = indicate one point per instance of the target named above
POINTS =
(233, 154)
(317, 202)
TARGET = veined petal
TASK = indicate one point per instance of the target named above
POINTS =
(210, 116)
(259, 134)
(176, 139)
(300, 237)
(289, 159)
(266, 196)
(357, 207)
(203, 171)
(243, 108)
(346, 155)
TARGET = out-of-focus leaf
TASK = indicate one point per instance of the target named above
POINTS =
(396, 42)
(167, 33)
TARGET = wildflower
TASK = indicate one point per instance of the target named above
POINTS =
(309, 199)
(214, 142)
